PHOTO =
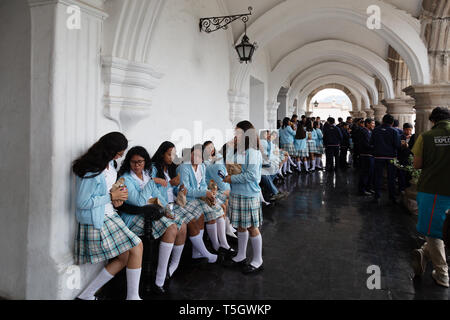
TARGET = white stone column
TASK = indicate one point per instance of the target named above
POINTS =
(370, 113)
(427, 98)
(283, 109)
(272, 109)
(401, 109)
(379, 112)
(65, 112)
(239, 107)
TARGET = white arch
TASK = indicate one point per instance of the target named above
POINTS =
(355, 88)
(320, 51)
(398, 29)
(335, 68)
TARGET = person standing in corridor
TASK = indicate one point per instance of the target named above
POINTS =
(432, 155)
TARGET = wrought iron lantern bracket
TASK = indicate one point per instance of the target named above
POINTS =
(212, 24)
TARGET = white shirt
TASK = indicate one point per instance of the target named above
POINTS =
(111, 178)
(142, 183)
(170, 196)
(198, 175)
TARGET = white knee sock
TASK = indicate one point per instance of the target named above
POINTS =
(102, 278)
(289, 166)
(195, 253)
(165, 249)
(211, 229)
(133, 278)
(313, 164)
(299, 165)
(306, 165)
(257, 251)
(290, 161)
(197, 243)
(318, 163)
(221, 233)
(285, 165)
(176, 256)
(230, 229)
(242, 246)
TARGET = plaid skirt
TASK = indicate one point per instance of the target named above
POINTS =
(245, 212)
(211, 213)
(303, 153)
(160, 226)
(94, 246)
(312, 147)
(320, 149)
(193, 210)
(289, 148)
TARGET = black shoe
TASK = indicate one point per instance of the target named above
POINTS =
(159, 291)
(249, 269)
(365, 193)
(233, 264)
(199, 261)
(230, 253)
(393, 200)
(371, 191)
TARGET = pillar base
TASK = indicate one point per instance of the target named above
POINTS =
(427, 98)
(379, 112)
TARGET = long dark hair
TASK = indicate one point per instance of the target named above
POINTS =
(285, 123)
(97, 158)
(309, 126)
(316, 125)
(301, 133)
(135, 151)
(158, 161)
(205, 145)
(246, 126)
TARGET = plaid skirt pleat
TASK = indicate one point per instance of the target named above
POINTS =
(289, 148)
(160, 226)
(193, 210)
(312, 148)
(245, 212)
(303, 153)
(221, 197)
(320, 149)
(94, 246)
(211, 213)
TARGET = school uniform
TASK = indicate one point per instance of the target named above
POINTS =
(195, 183)
(287, 136)
(212, 173)
(245, 204)
(312, 147)
(139, 192)
(301, 148)
(366, 161)
(319, 141)
(102, 235)
(332, 139)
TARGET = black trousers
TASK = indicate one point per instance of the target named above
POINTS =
(380, 165)
(366, 173)
(332, 153)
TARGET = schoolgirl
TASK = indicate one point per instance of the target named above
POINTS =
(311, 141)
(245, 205)
(319, 145)
(214, 163)
(193, 177)
(136, 170)
(168, 179)
(102, 235)
(301, 148)
(287, 135)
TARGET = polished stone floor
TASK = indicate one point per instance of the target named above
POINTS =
(319, 244)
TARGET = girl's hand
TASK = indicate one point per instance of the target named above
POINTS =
(161, 182)
(117, 203)
(211, 196)
(120, 195)
(183, 189)
(227, 179)
(175, 181)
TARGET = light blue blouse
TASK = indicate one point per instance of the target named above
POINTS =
(287, 135)
(247, 182)
(212, 173)
(187, 178)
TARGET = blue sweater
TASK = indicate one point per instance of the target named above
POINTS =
(247, 182)
(163, 190)
(287, 135)
(138, 197)
(212, 173)
(385, 141)
(91, 199)
(318, 137)
(187, 178)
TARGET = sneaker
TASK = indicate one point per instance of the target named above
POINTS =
(442, 281)
(418, 262)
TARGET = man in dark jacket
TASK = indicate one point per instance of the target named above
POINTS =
(332, 140)
(386, 143)
(366, 159)
(404, 157)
